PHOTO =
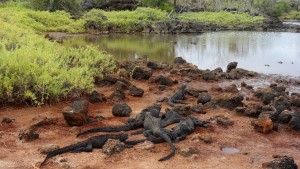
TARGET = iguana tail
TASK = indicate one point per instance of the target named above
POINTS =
(168, 140)
(63, 150)
(108, 129)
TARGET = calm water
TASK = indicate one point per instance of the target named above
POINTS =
(264, 52)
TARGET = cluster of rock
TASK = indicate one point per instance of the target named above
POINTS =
(269, 105)
(276, 106)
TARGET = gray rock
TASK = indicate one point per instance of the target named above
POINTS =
(113, 146)
(80, 106)
(179, 60)
(227, 100)
(295, 121)
(117, 96)
(135, 91)
(121, 86)
(198, 108)
(281, 162)
(187, 152)
(163, 80)
(210, 75)
(7, 120)
(96, 97)
(295, 100)
(182, 109)
(231, 89)
(247, 111)
(230, 66)
(141, 73)
(203, 98)
(75, 117)
(28, 135)
(121, 110)
(285, 116)
(194, 92)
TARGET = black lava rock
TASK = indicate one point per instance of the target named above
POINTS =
(121, 110)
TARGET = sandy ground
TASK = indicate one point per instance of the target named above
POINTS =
(254, 148)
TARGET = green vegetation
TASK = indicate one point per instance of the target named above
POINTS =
(222, 18)
(279, 8)
(42, 20)
(72, 6)
(126, 21)
(161, 4)
(34, 70)
(291, 15)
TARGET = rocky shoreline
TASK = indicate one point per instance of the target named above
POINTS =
(176, 26)
(231, 100)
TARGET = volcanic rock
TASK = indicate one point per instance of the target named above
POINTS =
(135, 91)
(121, 110)
(113, 146)
(203, 98)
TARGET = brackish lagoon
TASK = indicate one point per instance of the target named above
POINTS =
(263, 52)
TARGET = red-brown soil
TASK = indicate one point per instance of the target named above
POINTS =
(255, 148)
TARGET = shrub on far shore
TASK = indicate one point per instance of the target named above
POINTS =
(291, 15)
(222, 18)
(126, 21)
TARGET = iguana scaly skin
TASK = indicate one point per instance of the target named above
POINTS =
(170, 117)
(86, 145)
(152, 126)
(179, 132)
(177, 98)
(131, 124)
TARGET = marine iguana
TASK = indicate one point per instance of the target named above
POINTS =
(86, 145)
(178, 97)
(131, 123)
(152, 127)
(179, 132)
(169, 118)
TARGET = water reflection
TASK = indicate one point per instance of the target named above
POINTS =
(253, 50)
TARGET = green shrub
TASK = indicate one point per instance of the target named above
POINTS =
(42, 20)
(291, 15)
(161, 4)
(39, 71)
(279, 8)
(126, 21)
(222, 18)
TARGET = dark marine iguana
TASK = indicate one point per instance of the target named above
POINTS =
(131, 124)
(179, 132)
(169, 118)
(177, 98)
(86, 145)
(152, 127)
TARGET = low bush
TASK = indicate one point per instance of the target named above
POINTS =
(222, 18)
(126, 21)
(42, 20)
(291, 15)
(35, 70)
